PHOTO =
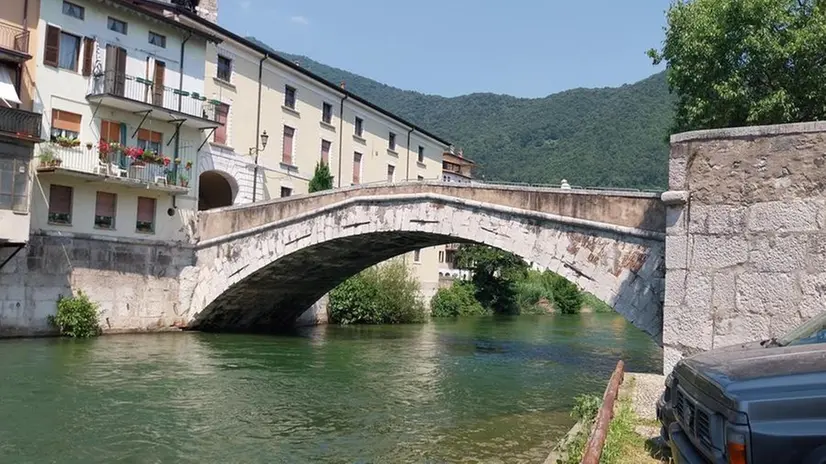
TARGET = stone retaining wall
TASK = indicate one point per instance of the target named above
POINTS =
(746, 235)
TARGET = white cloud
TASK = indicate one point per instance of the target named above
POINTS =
(300, 20)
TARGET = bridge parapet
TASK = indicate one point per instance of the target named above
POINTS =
(637, 210)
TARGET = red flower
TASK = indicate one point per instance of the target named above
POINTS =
(166, 161)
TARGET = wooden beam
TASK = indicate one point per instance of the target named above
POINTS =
(593, 450)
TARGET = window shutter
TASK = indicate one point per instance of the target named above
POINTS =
(158, 83)
(105, 204)
(66, 120)
(146, 209)
(60, 199)
(357, 168)
(287, 152)
(88, 51)
(325, 152)
(110, 131)
(221, 112)
(51, 52)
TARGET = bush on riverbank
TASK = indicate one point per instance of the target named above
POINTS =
(537, 291)
(76, 316)
(456, 300)
(594, 304)
(384, 294)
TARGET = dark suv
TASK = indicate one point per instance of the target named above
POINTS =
(763, 402)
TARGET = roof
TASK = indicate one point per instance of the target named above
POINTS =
(458, 158)
(276, 57)
(133, 5)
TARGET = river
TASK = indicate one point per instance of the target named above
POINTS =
(471, 390)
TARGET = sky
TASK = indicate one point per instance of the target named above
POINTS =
(525, 48)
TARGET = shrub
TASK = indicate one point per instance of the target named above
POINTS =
(322, 179)
(77, 316)
(384, 294)
(456, 300)
(532, 291)
(566, 295)
(586, 407)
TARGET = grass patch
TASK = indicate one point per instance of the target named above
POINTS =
(589, 300)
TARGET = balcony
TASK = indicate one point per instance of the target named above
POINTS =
(20, 124)
(135, 94)
(118, 165)
(14, 43)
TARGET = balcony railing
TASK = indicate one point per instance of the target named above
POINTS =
(118, 164)
(14, 38)
(20, 123)
(145, 91)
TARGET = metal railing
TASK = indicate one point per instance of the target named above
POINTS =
(21, 123)
(117, 164)
(14, 38)
(145, 91)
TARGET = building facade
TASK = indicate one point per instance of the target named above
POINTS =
(455, 168)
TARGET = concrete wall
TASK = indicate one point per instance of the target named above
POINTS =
(134, 282)
(746, 235)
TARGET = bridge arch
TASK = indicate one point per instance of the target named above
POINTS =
(262, 277)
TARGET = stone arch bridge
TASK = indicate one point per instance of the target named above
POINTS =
(259, 266)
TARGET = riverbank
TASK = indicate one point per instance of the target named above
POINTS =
(634, 433)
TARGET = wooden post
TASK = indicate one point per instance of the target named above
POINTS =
(593, 451)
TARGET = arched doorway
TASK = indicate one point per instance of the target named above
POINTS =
(215, 190)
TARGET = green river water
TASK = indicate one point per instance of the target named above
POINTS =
(473, 390)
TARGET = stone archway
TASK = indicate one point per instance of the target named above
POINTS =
(216, 189)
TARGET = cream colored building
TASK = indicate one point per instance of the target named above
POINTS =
(281, 120)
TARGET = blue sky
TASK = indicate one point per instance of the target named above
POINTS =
(527, 48)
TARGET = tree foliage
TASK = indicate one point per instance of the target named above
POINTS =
(495, 276)
(76, 316)
(457, 300)
(567, 296)
(610, 137)
(384, 294)
(322, 179)
(745, 62)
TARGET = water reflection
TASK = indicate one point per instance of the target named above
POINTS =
(479, 389)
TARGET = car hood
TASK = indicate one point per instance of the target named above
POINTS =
(753, 361)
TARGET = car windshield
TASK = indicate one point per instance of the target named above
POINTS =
(813, 331)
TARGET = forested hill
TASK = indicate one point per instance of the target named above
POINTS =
(610, 137)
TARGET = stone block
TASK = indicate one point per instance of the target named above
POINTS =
(710, 252)
(698, 292)
(782, 324)
(741, 329)
(676, 252)
(671, 356)
(779, 254)
(675, 223)
(697, 215)
(784, 216)
(817, 257)
(724, 292)
(813, 287)
(677, 173)
(764, 293)
(675, 287)
(725, 220)
(687, 327)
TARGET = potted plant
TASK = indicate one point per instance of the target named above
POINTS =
(136, 154)
(88, 145)
(184, 180)
(46, 156)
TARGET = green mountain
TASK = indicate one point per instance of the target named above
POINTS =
(609, 137)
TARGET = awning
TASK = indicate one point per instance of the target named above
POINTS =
(7, 91)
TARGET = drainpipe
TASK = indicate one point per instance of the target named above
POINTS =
(407, 174)
(178, 137)
(258, 126)
(340, 135)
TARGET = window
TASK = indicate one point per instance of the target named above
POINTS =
(14, 184)
(146, 215)
(417, 256)
(286, 191)
(287, 146)
(110, 131)
(75, 11)
(224, 68)
(65, 124)
(391, 141)
(421, 154)
(68, 51)
(327, 113)
(60, 204)
(221, 115)
(441, 256)
(149, 140)
(105, 210)
(325, 152)
(391, 173)
(117, 25)
(289, 97)
(359, 127)
(157, 39)
(356, 168)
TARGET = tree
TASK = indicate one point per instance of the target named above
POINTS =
(745, 62)
(322, 179)
(456, 300)
(495, 273)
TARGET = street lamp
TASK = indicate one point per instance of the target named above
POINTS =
(264, 139)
